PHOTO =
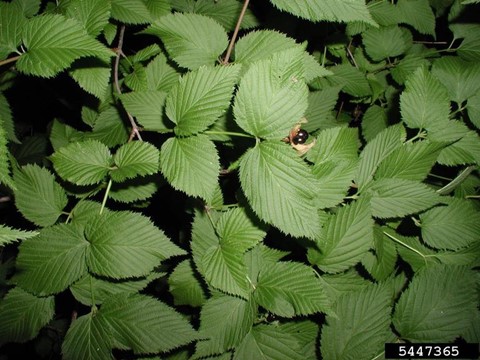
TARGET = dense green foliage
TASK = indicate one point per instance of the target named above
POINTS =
(155, 201)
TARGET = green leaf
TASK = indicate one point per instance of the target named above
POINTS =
(52, 261)
(191, 40)
(269, 342)
(399, 197)
(465, 148)
(135, 190)
(9, 235)
(204, 237)
(473, 109)
(62, 134)
(343, 283)
(329, 10)
(144, 324)
(185, 287)
(158, 8)
(412, 161)
(437, 305)
(131, 11)
(200, 98)
(12, 23)
(418, 14)
(22, 315)
(34, 182)
(6, 120)
(271, 169)
(381, 264)
(374, 122)
(191, 165)
(137, 79)
(89, 289)
(269, 103)
(460, 77)
(92, 14)
(320, 107)
(360, 326)
(376, 151)
(406, 66)
(451, 227)
(53, 42)
(291, 289)
(83, 163)
(5, 177)
(134, 159)
(109, 128)
(160, 75)
(425, 102)
(147, 107)
(385, 42)
(92, 76)
(469, 49)
(89, 337)
(224, 321)
(335, 144)
(347, 236)
(125, 244)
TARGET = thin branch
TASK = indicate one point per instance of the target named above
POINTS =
(457, 181)
(5, 199)
(235, 33)
(351, 55)
(10, 60)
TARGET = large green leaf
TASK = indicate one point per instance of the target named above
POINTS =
(261, 257)
(272, 98)
(386, 42)
(134, 159)
(12, 23)
(131, 11)
(346, 237)
(473, 108)
(437, 305)
(109, 127)
(160, 75)
(92, 14)
(381, 264)
(184, 286)
(192, 40)
(398, 197)
(34, 182)
(22, 315)
(360, 326)
(83, 163)
(320, 107)
(425, 102)
(352, 80)
(451, 227)
(191, 165)
(204, 237)
(224, 321)
(52, 261)
(291, 289)
(280, 188)
(147, 107)
(145, 325)
(200, 98)
(418, 14)
(92, 76)
(406, 66)
(53, 42)
(329, 10)
(9, 235)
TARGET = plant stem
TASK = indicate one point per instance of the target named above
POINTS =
(457, 181)
(235, 33)
(10, 60)
(105, 197)
(231, 133)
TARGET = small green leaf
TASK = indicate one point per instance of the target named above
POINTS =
(473, 108)
(335, 144)
(160, 75)
(374, 122)
(131, 11)
(271, 169)
(134, 190)
(418, 14)
(147, 107)
(92, 75)
(352, 80)
(53, 42)
(191, 165)
(38, 196)
(185, 287)
(5, 177)
(9, 235)
(385, 42)
(320, 107)
(191, 40)
(291, 289)
(200, 98)
(83, 163)
(22, 315)
(12, 22)
(437, 305)
(381, 264)
(52, 261)
(92, 14)
(134, 159)
(406, 66)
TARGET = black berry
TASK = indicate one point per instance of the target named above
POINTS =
(301, 137)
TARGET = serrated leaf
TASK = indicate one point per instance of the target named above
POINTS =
(5, 177)
(352, 80)
(291, 289)
(374, 122)
(203, 236)
(131, 11)
(473, 109)
(125, 244)
(465, 147)
(53, 260)
(147, 107)
(320, 107)
(329, 10)
(92, 76)
(343, 283)
(381, 264)
(22, 315)
(268, 103)
(269, 342)
(306, 332)
(83, 163)
(347, 236)
(12, 23)
(134, 159)
(89, 337)
(270, 169)
(224, 321)
(261, 257)
(34, 182)
(9, 235)
(137, 79)
(451, 227)
(192, 40)
(185, 287)
(53, 42)
(469, 49)
(191, 165)
(406, 66)
(160, 75)
(144, 324)
(92, 14)
(437, 305)
(200, 98)
(385, 42)
(6, 120)
(158, 8)
(335, 144)
(460, 77)
(399, 197)
(109, 128)
(418, 14)
(424, 103)
(376, 151)
(360, 326)
(135, 190)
